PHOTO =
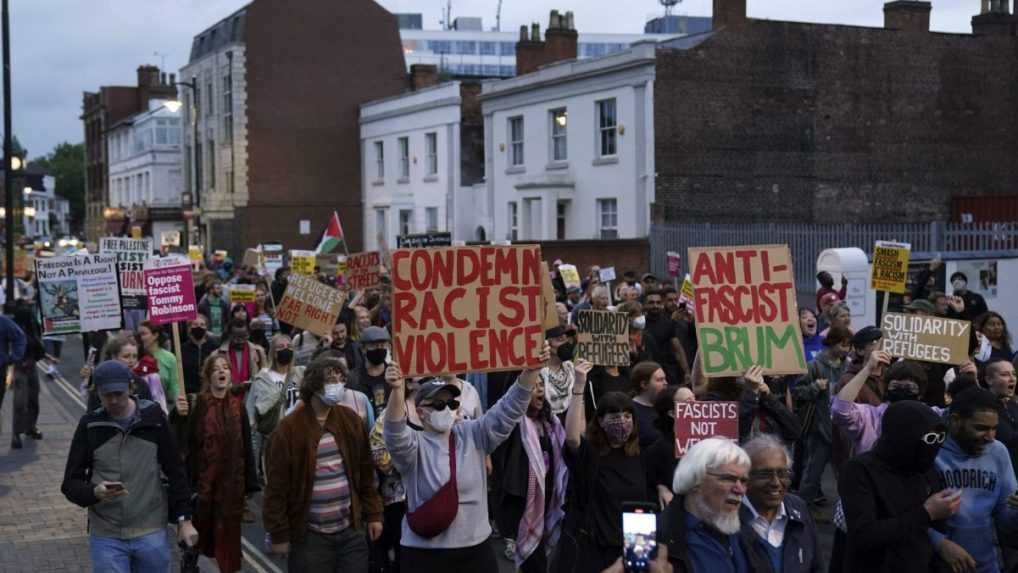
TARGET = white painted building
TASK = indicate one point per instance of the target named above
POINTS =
(412, 165)
(144, 159)
(40, 217)
(569, 149)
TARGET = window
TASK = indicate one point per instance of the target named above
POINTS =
(607, 125)
(379, 160)
(560, 219)
(507, 71)
(514, 222)
(162, 131)
(196, 98)
(431, 153)
(228, 102)
(608, 218)
(559, 119)
(212, 163)
(507, 48)
(466, 48)
(406, 222)
(440, 46)
(211, 97)
(404, 158)
(381, 228)
(431, 219)
(488, 48)
(516, 141)
(198, 169)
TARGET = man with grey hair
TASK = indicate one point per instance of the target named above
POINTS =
(776, 524)
(701, 525)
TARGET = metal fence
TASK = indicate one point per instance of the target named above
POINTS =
(807, 240)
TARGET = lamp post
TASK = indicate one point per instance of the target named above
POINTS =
(9, 159)
(195, 195)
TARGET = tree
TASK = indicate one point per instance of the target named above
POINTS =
(67, 165)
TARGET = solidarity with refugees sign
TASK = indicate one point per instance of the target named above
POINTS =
(925, 338)
(310, 305)
(131, 255)
(746, 310)
(890, 266)
(78, 293)
(467, 309)
(170, 291)
(697, 421)
(363, 270)
(602, 337)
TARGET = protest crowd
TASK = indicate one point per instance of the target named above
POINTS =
(372, 453)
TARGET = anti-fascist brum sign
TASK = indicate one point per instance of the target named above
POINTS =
(697, 421)
(467, 309)
(746, 310)
(602, 337)
(925, 338)
(170, 292)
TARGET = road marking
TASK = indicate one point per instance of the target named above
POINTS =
(254, 550)
(66, 387)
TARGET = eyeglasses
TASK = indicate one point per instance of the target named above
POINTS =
(782, 475)
(934, 438)
(440, 405)
(730, 480)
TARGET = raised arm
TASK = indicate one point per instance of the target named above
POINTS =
(575, 416)
(494, 427)
(877, 360)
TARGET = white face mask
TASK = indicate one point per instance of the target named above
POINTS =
(985, 349)
(640, 322)
(332, 394)
(442, 420)
(959, 284)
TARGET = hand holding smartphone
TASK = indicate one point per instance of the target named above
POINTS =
(639, 536)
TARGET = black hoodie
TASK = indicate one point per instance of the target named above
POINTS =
(883, 492)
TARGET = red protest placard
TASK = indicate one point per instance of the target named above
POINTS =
(362, 270)
(467, 309)
(697, 421)
(170, 292)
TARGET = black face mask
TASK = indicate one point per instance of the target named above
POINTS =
(376, 355)
(565, 352)
(899, 394)
(198, 332)
(284, 356)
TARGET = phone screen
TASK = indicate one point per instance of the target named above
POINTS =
(115, 486)
(639, 532)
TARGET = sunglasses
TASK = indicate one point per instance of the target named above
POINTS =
(440, 405)
(934, 438)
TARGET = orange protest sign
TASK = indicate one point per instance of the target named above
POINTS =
(467, 309)
(363, 270)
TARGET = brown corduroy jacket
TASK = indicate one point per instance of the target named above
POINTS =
(291, 471)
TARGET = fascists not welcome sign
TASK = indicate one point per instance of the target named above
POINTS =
(697, 421)
(746, 310)
(467, 309)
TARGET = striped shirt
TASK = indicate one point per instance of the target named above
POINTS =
(330, 497)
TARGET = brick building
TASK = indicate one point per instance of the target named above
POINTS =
(784, 121)
(100, 111)
(277, 90)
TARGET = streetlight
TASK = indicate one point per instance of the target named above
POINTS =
(195, 197)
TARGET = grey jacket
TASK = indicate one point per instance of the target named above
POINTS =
(808, 395)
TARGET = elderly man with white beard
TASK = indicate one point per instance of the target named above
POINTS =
(701, 526)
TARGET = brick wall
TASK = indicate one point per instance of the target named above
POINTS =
(780, 121)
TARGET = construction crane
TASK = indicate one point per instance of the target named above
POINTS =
(446, 20)
(498, 17)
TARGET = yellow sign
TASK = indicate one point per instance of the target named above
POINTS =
(687, 288)
(570, 276)
(302, 262)
(194, 253)
(341, 265)
(242, 293)
(890, 266)
(136, 232)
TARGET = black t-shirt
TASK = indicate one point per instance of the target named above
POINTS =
(600, 382)
(374, 387)
(602, 484)
(662, 329)
(661, 462)
(645, 417)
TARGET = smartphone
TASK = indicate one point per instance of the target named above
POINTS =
(639, 536)
(115, 486)
(91, 357)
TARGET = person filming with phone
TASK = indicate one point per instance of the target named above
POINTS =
(113, 468)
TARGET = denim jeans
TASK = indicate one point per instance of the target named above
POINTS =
(343, 552)
(146, 554)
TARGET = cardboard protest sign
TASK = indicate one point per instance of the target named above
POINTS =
(302, 262)
(602, 337)
(697, 421)
(746, 310)
(170, 291)
(890, 266)
(674, 264)
(273, 257)
(363, 270)
(242, 294)
(310, 305)
(423, 240)
(548, 299)
(252, 258)
(570, 276)
(78, 293)
(131, 256)
(169, 239)
(467, 309)
(925, 338)
(606, 274)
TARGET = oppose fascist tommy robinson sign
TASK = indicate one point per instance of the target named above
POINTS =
(467, 309)
(746, 310)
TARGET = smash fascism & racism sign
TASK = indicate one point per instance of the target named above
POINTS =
(746, 310)
(602, 337)
(697, 421)
(467, 309)
(925, 338)
(890, 266)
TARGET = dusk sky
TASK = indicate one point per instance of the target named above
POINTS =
(61, 48)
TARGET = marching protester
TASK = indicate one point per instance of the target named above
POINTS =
(666, 334)
(341, 346)
(12, 350)
(25, 383)
(152, 338)
(660, 456)
(992, 325)
(274, 392)
(812, 342)
(320, 492)
(446, 525)
(975, 304)
(215, 308)
(117, 455)
(264, 313)
(827, 287)
(558, 374)
(123, 349)
(216, 443)
(245, 358)
(195, 349)
(369, 379)
(648, 381)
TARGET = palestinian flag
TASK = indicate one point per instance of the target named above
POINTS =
(332, 236)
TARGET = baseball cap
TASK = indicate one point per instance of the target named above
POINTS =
(375, 334)
(112, 376)
(647, 276)
(866, 335)
(428, 389)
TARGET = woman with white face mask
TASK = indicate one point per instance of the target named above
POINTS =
(975, 304)
(336, 393)
(446, 525)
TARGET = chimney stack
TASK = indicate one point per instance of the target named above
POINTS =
(912, 16)
(994, 19)
(148, 76)
(423, 76)
(729, 13)
(529, 50)
(560, 41)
